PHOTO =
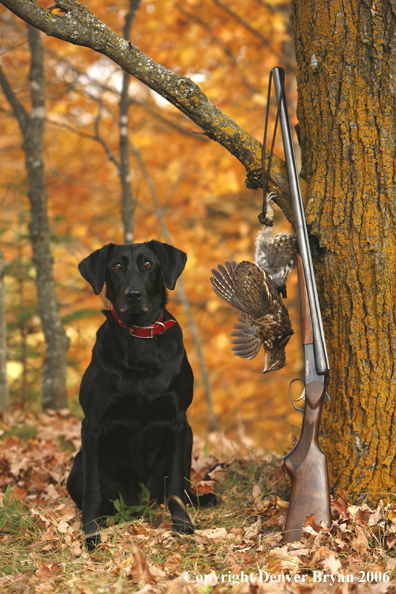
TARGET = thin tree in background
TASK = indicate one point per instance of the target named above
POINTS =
(4, 394)
(127, 207)
(127, 204)
(180, 289)
(32, 125)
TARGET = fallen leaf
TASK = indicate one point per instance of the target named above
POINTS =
(321, 554)
(332, 564)
(252, 530)
(35, 512)
(174, 562)
(360, 543)
(63, 527)
(375, 518)
(216, 535)
(279, 552)
(17, 467)
(310, 521)
(391, 564)
(341, 504)
(239, 532)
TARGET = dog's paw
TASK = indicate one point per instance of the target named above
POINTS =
(182, 527)
(208, 500)
(91, 533)
(92, 542)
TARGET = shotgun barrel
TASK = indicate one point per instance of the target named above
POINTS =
(319, 343)
(306, 463)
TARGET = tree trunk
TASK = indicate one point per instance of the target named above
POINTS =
(4, 394)
(127, 205)
(346, 54)
(32, 127)
(54, 370)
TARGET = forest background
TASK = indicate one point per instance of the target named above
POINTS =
(114, 162)
(185, 190)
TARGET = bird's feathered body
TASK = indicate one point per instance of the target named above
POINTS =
(264, 320)
(275, 254)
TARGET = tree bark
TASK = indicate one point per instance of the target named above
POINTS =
(346, 55)
(32, 127)
(54, 393)
(4, 394)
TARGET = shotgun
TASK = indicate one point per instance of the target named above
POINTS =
(306, 463)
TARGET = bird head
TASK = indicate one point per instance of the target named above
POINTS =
(275, 358)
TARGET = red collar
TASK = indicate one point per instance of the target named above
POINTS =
(145, 331)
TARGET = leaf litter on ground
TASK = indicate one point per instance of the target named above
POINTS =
(236, 547)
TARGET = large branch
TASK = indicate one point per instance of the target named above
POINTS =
(81, 27)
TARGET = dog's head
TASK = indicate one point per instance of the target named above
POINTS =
(135, 274)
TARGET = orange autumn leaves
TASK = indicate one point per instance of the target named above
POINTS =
(199, 186)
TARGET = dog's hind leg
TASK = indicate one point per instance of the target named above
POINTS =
(75, 482)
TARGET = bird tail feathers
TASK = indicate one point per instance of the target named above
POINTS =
(245, 342)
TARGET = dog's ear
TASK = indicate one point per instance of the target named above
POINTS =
(171, 259)
(93, 268)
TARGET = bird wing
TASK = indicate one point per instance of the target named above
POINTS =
(246, 287)
(246, 343)
(255, 289)
(223, 284)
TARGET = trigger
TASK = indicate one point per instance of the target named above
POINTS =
(302, 397)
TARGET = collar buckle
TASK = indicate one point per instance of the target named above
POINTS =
(164, 327)
(149, 328)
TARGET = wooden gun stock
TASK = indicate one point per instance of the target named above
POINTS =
(306, 463)
(307, 467)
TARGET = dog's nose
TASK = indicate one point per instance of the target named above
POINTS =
(133, 295)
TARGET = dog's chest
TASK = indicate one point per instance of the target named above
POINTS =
(141, 409)
(144, 383)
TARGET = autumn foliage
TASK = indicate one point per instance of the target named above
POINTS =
(179, 179)
(191, 192)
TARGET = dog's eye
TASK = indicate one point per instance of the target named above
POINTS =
(118, 265)
(147, 264)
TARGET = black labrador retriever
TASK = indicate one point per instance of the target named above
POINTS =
(136, 390)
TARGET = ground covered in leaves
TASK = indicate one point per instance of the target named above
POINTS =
(236, 547)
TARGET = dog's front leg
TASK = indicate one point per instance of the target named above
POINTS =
(180, 520)
(92, 498)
